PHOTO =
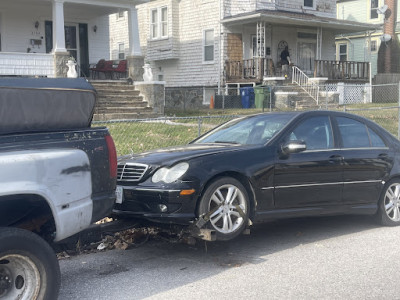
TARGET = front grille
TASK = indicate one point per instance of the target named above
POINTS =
(131, 171)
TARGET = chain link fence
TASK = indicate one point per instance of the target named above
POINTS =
(379, 103)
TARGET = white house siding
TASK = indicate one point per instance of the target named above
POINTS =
(179, 59)
(99, 41)
(119, 34)
(326, 8)
(328, 51)
(22, 22)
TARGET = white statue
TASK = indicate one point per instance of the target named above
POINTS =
(71, 69)
(148, 74)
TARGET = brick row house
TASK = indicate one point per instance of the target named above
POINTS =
(203, 44)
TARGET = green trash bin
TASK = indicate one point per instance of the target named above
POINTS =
(262, 96)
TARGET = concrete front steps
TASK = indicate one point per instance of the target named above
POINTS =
(293, 96)
(117, 99)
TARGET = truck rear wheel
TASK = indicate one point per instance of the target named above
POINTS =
(28, 266)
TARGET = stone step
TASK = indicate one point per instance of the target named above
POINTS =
(113, 91)
(124, 116)
(138, 103)
(119, 97)
(109, 82)
(114, 110)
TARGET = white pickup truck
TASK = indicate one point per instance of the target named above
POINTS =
(57, 176)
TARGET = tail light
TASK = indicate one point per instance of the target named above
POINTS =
(112, 156)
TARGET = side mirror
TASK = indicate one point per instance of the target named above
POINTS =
(294, 147)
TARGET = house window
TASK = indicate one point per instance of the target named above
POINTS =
(309, 3)
(342, 52)
(374, 7)
(159, 23)
(121, 15)
(374, 45)
(121, 51)
(254, 45)
(208, 54)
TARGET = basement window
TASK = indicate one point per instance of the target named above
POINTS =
(309, 3)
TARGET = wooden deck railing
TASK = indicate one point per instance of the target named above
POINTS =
(249, 69)
(342, 70)
(257, 68)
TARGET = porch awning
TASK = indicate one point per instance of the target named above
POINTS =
(299, 19)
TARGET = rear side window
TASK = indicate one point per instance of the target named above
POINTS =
(376, 140)
(356, 134)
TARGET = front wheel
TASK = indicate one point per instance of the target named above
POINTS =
(389, 204)
(28, 266)
(228, 199)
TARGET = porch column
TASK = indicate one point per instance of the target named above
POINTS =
(58, 26)
(135, 58)
(59, 51)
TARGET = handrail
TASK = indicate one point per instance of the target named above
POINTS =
(302, 80)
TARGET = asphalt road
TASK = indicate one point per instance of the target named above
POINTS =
(343, 257)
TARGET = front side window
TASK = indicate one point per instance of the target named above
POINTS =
(316, 132)
(374, 7)
(159, 23)
(208, 54)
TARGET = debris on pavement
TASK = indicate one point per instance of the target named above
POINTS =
(125, 239)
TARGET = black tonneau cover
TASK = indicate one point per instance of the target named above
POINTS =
(45, 104)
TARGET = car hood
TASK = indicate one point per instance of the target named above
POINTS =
(168, 156)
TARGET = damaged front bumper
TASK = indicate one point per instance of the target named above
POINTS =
(160, 205)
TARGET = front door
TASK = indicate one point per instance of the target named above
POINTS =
(71, 41)
(76, 42)
(313, 177)
(306, 56)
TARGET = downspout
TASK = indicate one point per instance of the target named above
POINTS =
(220, 46)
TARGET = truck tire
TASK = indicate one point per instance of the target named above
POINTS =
(29, 268)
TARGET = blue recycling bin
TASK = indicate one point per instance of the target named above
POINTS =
(247, 95)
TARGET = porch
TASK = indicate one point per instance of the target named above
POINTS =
(38, 37)
(256, 69)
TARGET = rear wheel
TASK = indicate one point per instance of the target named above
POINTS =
(389, 204)
(28, 266)
(228, 199)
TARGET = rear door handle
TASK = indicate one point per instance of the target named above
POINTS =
(335, 158)
(383, 156)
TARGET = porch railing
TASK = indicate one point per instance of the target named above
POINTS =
(302, 80)
(26, 64)
(342, 70)
(249, 69)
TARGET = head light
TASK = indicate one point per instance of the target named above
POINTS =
(170, 175)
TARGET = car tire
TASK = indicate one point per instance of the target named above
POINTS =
(225, 194)
(29, 268)
(389, 204)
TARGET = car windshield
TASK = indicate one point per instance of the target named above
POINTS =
(255, 130)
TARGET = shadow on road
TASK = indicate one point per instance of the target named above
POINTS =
(159, 265)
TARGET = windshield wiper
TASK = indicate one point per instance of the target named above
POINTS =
(226, 142)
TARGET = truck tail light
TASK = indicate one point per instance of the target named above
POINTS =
(112, 156)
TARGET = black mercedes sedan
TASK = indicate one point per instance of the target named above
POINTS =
(263, 167)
